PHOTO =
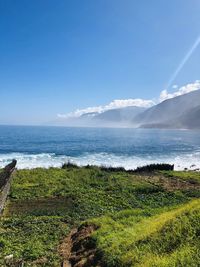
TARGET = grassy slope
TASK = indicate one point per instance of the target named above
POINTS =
(45, 204)
(141, 238)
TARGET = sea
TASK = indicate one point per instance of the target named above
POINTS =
(35, 146)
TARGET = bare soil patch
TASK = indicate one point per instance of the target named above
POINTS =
(79, 249)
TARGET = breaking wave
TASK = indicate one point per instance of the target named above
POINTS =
(46, 160)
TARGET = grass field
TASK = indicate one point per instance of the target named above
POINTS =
(133, 213)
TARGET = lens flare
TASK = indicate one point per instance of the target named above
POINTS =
(183, 62)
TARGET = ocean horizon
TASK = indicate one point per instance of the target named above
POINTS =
(50, 146)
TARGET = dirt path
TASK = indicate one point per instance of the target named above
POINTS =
(78, 248)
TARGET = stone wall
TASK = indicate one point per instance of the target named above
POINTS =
(5, 181)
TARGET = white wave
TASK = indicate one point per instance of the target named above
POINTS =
(45, 160)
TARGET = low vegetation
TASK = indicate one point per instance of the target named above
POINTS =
(150, 237)
(132, 211)
(188, 176)
(155, 167)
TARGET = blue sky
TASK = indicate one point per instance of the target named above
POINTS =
(58, 56)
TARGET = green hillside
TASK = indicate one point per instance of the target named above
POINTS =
(142, 219)
(140, 238)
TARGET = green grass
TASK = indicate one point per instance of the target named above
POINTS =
(189, 176)
(44, 204)
(141, 238)
(32, 238)
(84, 192)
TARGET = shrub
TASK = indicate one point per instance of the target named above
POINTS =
(155, 167)
(112, 169)
(69, 165)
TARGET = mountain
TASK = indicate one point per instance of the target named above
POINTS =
(126, 114)
(120, 117)
(175, 113)
(191, 119)
(179, 112)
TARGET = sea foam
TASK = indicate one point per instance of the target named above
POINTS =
(46, 160)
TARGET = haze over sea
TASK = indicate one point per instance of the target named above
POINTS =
(130, 148)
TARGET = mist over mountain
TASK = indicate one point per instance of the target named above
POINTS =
(118, 117)
(121, 117)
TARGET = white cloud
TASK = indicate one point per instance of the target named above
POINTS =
(77, 113)
(119, 103)
(164, 95)
(129, 103)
